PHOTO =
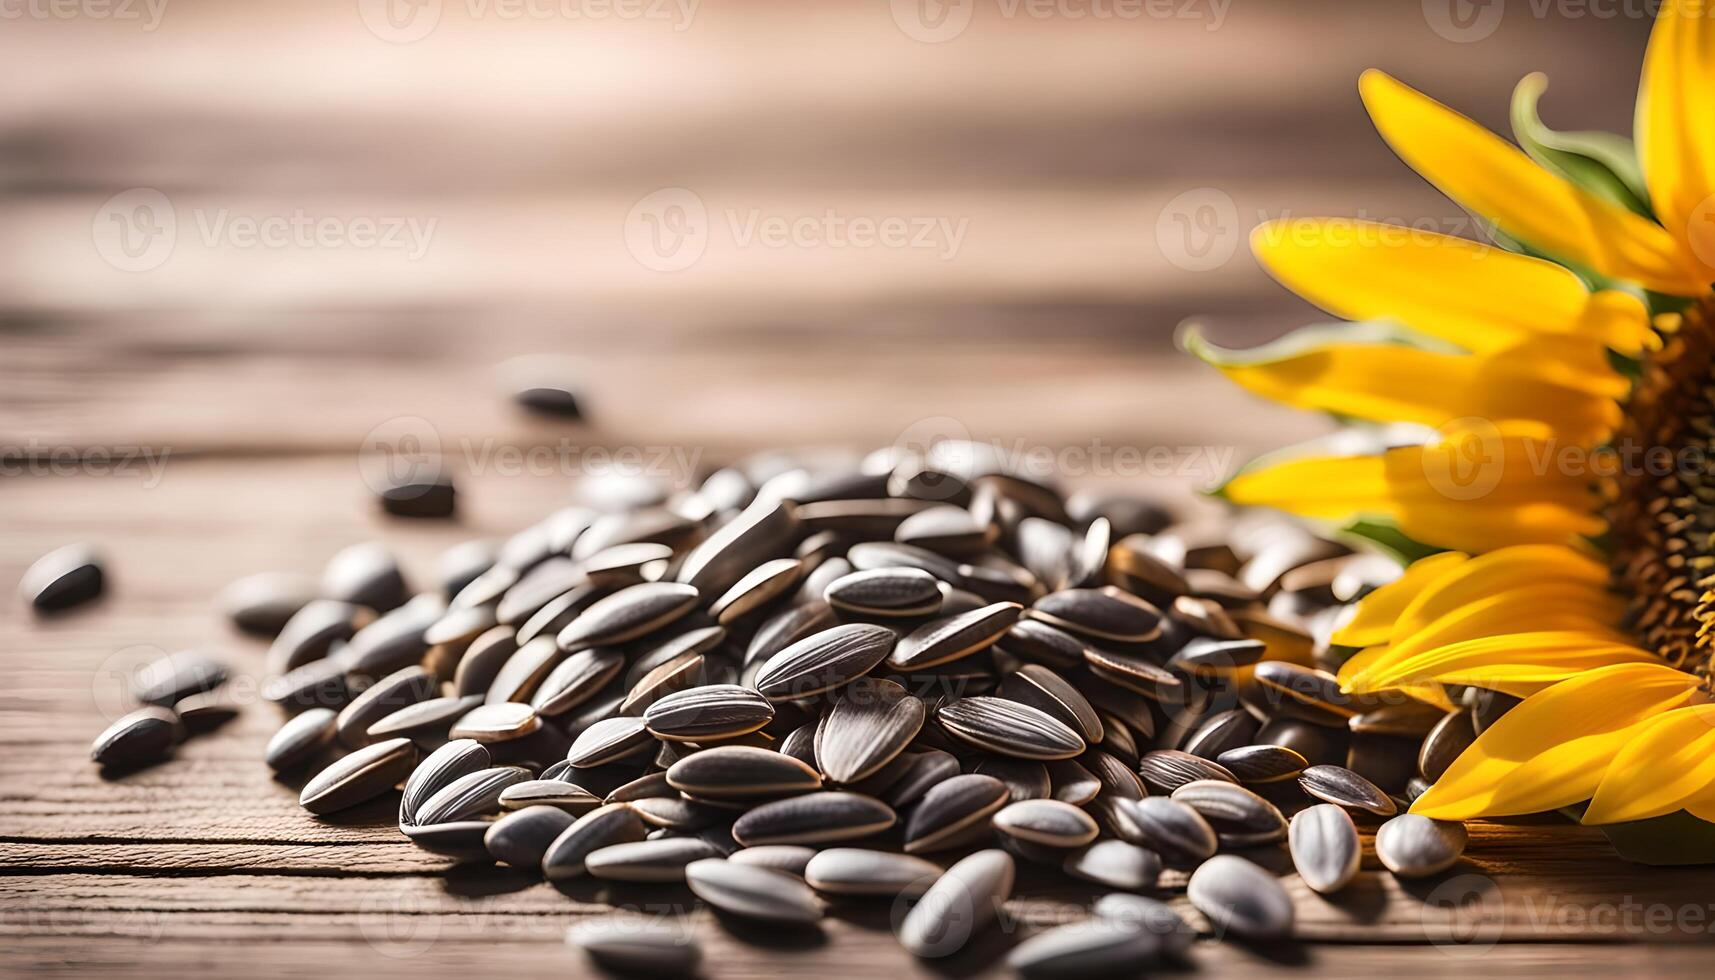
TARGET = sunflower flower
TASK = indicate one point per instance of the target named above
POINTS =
(1560, 386)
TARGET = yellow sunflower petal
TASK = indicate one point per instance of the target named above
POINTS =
(1396, 383)
(1702, 806)
(1676, 124)
(1519, 664)
(1496, 180)
(1669, 762)
(1373, 622)
(1501, 573)
(1477, 296)
(1468, 494)
(1552, 750)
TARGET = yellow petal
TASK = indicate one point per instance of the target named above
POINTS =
(1519, 664)
(1472, 493)
(1477, 296)
(1528, 391)
(1669, 762)
(1377, 611)
(1501, 573)
(1676, 124)
(1497, 181)
(1552, 750)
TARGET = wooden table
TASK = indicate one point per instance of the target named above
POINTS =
(259, 372)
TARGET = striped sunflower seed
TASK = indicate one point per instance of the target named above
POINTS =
(1407, 719)
(1105, 613)
(1115, 864)
(1039, 687)
(1035, 640)
(814, 818)
(678, 813)
(141, 737)
(312, 631)
(426, 721)
(300, 739)
(1169, 827)
(924, 771)
(483, 660)
(791, 859)
(871, 723)
(945, 640)
(1165, 770)
(713, 712)
(524, 671)
(680, 673)
(1343, 787)
(1255, 764)
(555, 577)
(608, 740)
(359, 777)
(462, 839)
(558, 793)
(1149, 915)
(497, 722)
(1072, 783)
(1097, 947)
(634, 944)
(1009, 728)
(954, 811)
(663, 859)
(1240, 817)
(763, 530)
(1024, 778)
(751, 892)
(469, 796)
(960, 904)
(164, 682)
(576, 680)
(630, 613)
(519, 839)
(760, 586)
(1135, 674)
(946, 530)
(1046, 822)
(447, 763)
(824, 661)
(788, 626)
(897, 591)
(399, 689)
(1221, 731)
(1414, 846)
(395, 640)
(613, 823)
(458, 627)
(1241, 898)
(1315, 689)
(1324, 846)
(741, 772)
(1448, 740)
(856, 871)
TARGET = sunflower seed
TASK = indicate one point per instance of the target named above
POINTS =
(1408, 719)
(502, 722)
(469, 796)
(960, 903)
(1446, 742)
(740, 772)
(620, 565)
(143, 736)
(1241, 898)
(1210, 657)
(628, 614)
(1165, 770)
(760, 586)
(263, 603)
(399, 689)
(1487, 707)
(553, 579)
(1039, 687)
(1413, 846)
(751, 892)
(1008, 728)
(1115, 777)
(175, 677)
(1254, 764)
(558, 793)
(1024, 778)
(300, 739)
(1240, 817)
(871, 723)
(684, 671)
(870, 555)
(425, 721)
(1135, 674)
(1343, 787)
(663, 859)
(460, 839)
(944, 640)
(521, 838)
(678, 813)
(923, 771)
(447, 763)
(897, 591)
(1324, 846)
(366, 575)
(1046, 822)
(947, 530)
(1316, 689)
(613, 823)
(1079, 949)
(359, 777)
(63, 578)
(1035, 640)
(482, 661)
(765, 529)
(787, 627)
(394, 641)
(1318, 744)
(558, 613)
(607, 741)
(814, 818)
(1169, 827)
(856, 871)
(1106, 613)
(953, 811)
(576, 680)
(312, 631)
(633, 944)
(1151, 916)
(790, 859)
(1116, 864)
(713, 712)
(824, 660)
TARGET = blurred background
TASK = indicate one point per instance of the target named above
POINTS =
(263, 229)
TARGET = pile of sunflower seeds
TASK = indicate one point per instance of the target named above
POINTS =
(802, 684)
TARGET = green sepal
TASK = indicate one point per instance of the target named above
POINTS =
(1674, 839)
(1305, 340)
(1604, 164)
(1384, 535)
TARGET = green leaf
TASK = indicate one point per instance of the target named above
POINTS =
(1675, 839)
(1604, 164)
(1386, 535)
